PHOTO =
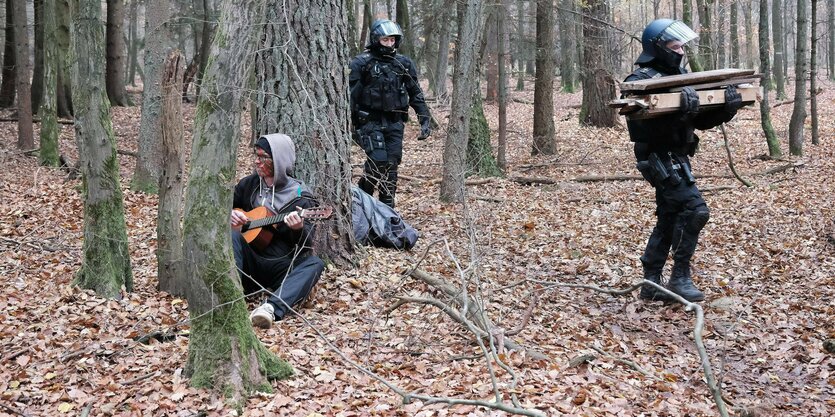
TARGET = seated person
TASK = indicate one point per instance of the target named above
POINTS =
(285, 262)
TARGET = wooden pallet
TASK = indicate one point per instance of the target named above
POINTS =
(666, 83)
(651, 105)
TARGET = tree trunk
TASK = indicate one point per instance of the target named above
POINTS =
(37, 70)
(133, 43)
(779, 47)
(206, 35)
(8, 88)
(813, 73)
(501, 158)
(798, 117)
(64, 89)
(105, 266)
(735, 55)
(299, 93)
(443, 54)
(521, 47)
(598, 82)
(765, 68)
(544, 137)
(158, 44)
(170, 268)
(693, 56)
(706, 47)
(116, 52)
(830, 18)
(747, 11)
(429, 53)
(49, 124)
(407, 45)
(223, 351)
(366, 23)
(568, 44)
(490, 55)
(464, 89)
(25, 134)
(480, 160)
(720, 42)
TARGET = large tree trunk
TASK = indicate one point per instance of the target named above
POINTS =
(813, 74)
(693, 56)
(64, 89)
(299, 94)
(105, 266)
(779, 47)
(407, 46)
(598, 82)
(544, 137)
(49, 124)
(750, 47)
(116, 52)
(8, 88)
(25, 134)
(464, 89)
(765, 68)
(170, 267)
(158, 44)
(706, 47)
(37, 70)
(798, 118)
(223, 351)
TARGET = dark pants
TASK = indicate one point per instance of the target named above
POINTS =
(380, 171)
(681, 214)
(291, 279)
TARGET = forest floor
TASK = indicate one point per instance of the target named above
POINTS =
(766, 261)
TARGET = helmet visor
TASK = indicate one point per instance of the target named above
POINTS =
(677, 31)
(388, 28)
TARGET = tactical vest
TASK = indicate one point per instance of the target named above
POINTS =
(384, 86)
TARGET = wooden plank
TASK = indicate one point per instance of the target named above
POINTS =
(683, 79)
(666, 103)
(723, 83)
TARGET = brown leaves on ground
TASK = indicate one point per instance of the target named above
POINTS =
(765, 261)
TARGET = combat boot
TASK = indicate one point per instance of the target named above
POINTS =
(650, 293)
(681, 283)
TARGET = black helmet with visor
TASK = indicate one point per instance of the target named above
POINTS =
(382, 28)
(657, 38)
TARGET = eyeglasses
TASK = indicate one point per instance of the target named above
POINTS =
(263, 159)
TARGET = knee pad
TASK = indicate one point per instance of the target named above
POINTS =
(698, 219)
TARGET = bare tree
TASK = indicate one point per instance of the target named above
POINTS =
(8, 88)
(501, 154)
(735, 58)
(813, 74)
(568, 46)
(779, 47)
(37, 69)
(544, 137)
(693, 56)
(116, 51)
(48, 153)
(830, 19)
(25, 134)
(765, 68)
(798, 118)
(707, 51)
(464, 89)
(105, 266)
(223, 351)
(598, 81)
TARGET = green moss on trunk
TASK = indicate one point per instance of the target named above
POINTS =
(480, 160)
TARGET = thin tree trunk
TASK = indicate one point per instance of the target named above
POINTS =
(544, 137)
(830, 18)
(8, 88)
(721, 44)
(133, 43)
(693, 55)
(747, 11)
(501, 157)
(295, 82)
(813, 74)
(521, 48)
(25, 134)
(490, 54)
(798, 118)
(568, 44)
(407, 46)
(65, 108)
(223, 351)
(779, 47)
(49, 124)
(105, 266)
(706, 47)
(464, 86)
(735, 55)
(37, 70)
(206, 35)
(765, 67)
(443, 54)
(158, 44)
(116, 51)
(429, 53)
(170, 267)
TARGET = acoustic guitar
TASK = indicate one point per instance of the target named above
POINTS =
(256, 232)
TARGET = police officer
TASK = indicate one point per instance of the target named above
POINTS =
(662, 147)
(383, 85)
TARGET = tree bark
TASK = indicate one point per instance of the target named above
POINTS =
(480, 160)
(568, 46)
(706, 47)
(765, 68)
(779, 47)
(464, 89)
(813, 74)
(693, 55)
(407, 45)
(544, 137)
(442, 64)
(798, 118)
(501, 157)
(8, 88)
(830, 18)
(116, 51)
(209, 22)
(133, 43)
(64, 89)
(598, 82)
(25, 134)
(734, 28)
(490, 54)
(170, 267)
(49, 121)
(37, 70)
(223, 351)
(299, 93)
(105, 266)
(158, 44)
(521, 45)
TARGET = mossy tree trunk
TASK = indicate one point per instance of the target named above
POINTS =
(105, 266)
(465, 87)
(300, 94)
(692, 54)
(801, 67)
(544, 135)
(48, 154)
(765, 68)
(159, 43)
(480, 160)
(116, 54)
(223, 351)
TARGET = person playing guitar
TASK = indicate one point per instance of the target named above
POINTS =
(281, 259)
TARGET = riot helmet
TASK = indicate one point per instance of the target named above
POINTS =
(382, 28)
(662, 41)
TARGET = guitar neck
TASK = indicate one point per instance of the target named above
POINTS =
(266, 221)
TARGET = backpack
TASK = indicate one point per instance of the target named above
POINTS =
(377, 224)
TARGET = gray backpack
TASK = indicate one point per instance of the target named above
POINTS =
(377, 224)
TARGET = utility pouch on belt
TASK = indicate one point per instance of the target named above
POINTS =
(659, 172)
(688, 175)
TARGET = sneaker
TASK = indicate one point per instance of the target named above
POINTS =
(263, 316)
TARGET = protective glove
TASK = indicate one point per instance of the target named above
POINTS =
(689, 103)
(733, 100)
(425, 130)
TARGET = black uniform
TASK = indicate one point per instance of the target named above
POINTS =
(383, 85)
(662, 148)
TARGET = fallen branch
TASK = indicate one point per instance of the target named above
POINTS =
(626, 362)
(16, 354)
(139, 378)
(731, 159)
(782, 168)
(126, 152)
(13, 410)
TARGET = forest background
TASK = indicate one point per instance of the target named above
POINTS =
(528, 205)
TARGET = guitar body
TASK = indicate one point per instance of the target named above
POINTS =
(256, 231)
(259, 237)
